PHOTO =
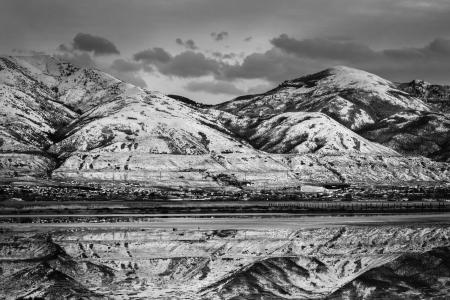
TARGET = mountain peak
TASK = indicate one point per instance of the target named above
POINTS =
(353, 97)
(342, 77)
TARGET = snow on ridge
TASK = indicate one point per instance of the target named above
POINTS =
(306, 132)
(345, 77)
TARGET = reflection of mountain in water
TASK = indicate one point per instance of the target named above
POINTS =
(411, 276)
(336, 263)
(52, 274)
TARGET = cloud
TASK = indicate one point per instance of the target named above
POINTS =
(219, 36)
(221, 55)
(260, 88)
(439, 46)
(96, 44)
(185, 64)
(214, 87)
(122, 65)
(273, 65)
(189, 44)
(190, 64)
(291, 58)
(153, 56)
(356, 53)
(248, 39)
(323, 48)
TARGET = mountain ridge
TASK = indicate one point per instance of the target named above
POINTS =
(119, 128)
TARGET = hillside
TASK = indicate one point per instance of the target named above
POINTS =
(340, 262)
(352, 97)
(63, 122)
(414, 133)
(406, 277)
(51, 109)
(147, 122)
(300, 132)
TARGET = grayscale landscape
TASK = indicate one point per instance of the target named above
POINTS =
(317, 168)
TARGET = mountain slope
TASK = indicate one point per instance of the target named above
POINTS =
(30, 113)
(352, 97)
(45, 271)
(148, 122)
(67, 122)
(51, 108)
(411, 276)
(28, 107)
(437, 96)
(301, 132)
(414, 133)
(264, 261)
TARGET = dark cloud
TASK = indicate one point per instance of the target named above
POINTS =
(221, 55)
(96, 44)
(65, 48)
(190, 64)
(273, 65)
(179, 42)
(219, 36)
(122, 65)
(184, 64)
(439, 46)
(189, 44)
(214, 87)
(323, 48)
(248, 39)
(153, 56)
(291, 58)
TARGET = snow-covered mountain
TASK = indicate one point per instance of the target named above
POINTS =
(69, 122)
(29, 110)
(425, 90)
(352, 97)
(53, 109)
(380, 261)
(414, 133)
(301, 132)
(148, 122)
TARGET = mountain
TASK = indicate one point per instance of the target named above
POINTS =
(263, 261)
(410, 276)
(435, 95)
(30, 113)
(414, 133)
(188, 101)
(50, 275)
(60, 121)
(300, 132)
(51, 108)
(148, 122)
(352, 97)
(408, 117)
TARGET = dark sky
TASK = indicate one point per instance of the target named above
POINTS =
(214, 50)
